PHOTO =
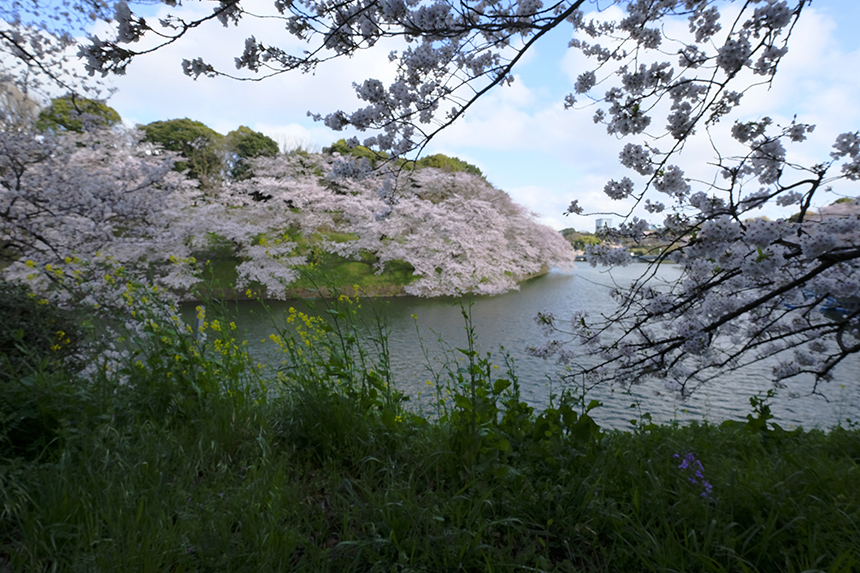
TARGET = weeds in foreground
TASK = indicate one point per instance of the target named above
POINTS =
(184, 455)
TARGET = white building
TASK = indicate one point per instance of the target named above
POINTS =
(601, 223)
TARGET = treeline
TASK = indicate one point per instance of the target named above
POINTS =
(439, 160)
(211, 157)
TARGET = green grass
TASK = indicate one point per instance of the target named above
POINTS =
(341, 274)
(189, 457)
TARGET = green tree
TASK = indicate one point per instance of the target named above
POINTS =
(580, 240)
(244, 143)
(196, 142)
(71, 112)
(439, 160)
(358, 151)
(454, 164)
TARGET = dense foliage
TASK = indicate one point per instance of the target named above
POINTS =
(457, 232)
(438, 160)
(243, 144)
(71, 204)
(72, 113)
(185, 455)
(195, 142)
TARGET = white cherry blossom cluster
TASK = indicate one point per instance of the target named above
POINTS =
(457, 232)
(619, 189)
(606, 255)
(848, 145)
(704, 24)
(634, 229)
(654, 206)
(637, 158)
(734, 55)
(671, 181)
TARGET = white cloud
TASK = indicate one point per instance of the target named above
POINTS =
(155, 87)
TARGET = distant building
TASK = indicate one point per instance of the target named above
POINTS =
(601, 223)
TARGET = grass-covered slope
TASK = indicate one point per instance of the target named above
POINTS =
(339, 274)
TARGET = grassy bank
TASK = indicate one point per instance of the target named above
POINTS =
(180, 454)
(217, 266)
(218, 269)
(340, 274)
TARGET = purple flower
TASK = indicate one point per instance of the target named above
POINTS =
(695, 472)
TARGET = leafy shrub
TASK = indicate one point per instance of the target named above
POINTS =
(34, 332)
(359, 151)
(39, 350)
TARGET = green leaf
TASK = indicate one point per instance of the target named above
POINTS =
(501, 385)
(463, 402)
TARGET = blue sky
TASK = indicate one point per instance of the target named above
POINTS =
(520, 136)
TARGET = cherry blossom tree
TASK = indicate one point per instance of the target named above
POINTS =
(37, 43)
(69, 199)
(750, 287)
(459, 233)
(75, 206)
(455, 52)
(17, 111)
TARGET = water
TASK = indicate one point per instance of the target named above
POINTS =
(508, 321)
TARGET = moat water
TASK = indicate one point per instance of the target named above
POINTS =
(507, 321)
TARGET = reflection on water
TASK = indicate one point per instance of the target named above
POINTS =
(508, 321)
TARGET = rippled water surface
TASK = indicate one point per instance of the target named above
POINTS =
(508, 321)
